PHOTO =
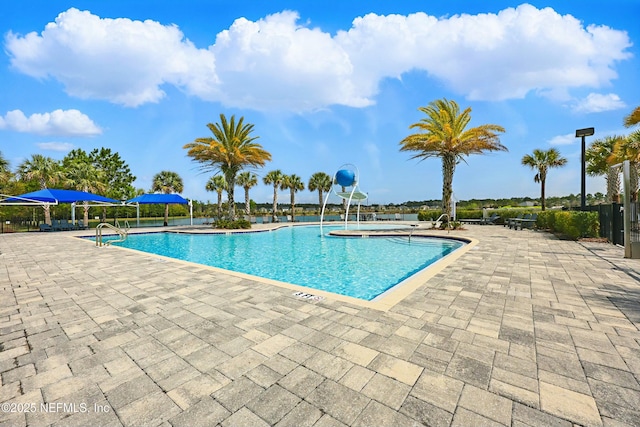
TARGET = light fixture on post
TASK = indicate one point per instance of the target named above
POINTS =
(582, 133)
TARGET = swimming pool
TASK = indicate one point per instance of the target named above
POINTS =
(362, 268)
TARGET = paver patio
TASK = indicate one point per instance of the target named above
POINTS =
(522, 330)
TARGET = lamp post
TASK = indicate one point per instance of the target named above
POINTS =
(583, 192)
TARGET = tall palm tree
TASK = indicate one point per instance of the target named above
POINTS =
(322, 182)
(84, 176)
(294, 184)
(45, 171)
(167, 182)
(247, 180)
(633, 118)
(541, 161)
(274, 178)
(444, 134)
(598, 157)
(231, 149)
(218, 184)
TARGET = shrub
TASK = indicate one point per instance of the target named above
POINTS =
(232, 225)
(572, 224)
(429, 215)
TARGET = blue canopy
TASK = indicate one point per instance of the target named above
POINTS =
(54, 196)
(154, 198)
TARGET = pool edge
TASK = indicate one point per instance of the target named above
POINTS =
(383, 302)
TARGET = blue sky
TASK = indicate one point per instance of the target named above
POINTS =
(324, 82)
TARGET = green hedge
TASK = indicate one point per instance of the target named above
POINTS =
(232, 225)
(572, 224)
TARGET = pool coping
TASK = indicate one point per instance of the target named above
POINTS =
(383, 302)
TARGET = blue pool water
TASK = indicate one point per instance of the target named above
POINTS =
(358, 267)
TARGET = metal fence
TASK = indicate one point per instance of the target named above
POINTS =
(612, 222)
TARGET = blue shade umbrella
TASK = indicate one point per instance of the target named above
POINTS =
(160, 198)
(152, 199)
(55, 197)
(49, 196)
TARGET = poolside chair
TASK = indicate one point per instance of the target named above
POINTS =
(491, 220)
(45, 227)
(65, 225)
(529, 223)
(81, 225)
(518, 221)
(511, 221)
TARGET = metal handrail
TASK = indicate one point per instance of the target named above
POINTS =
(123, 233)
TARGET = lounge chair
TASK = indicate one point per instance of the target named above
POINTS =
(65, 225)
(528, 223)
(510, 222)
(81, 225)
(518, 221)
(491, 220)
(45, 227)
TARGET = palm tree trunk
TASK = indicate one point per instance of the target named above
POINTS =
(47, 214)
(166, 214)
(219, 204)
(86, 214)
(293, 206)
(247, 202)
(542, 202)
(275, 202)
(633, 181)
(613, 186)
(448, 168)
(231, 183)
(320, 201)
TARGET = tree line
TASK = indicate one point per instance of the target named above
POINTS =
(232, 151)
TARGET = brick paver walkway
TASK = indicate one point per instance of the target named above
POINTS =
(523, 330)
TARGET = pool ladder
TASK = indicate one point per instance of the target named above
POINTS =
(123, 232)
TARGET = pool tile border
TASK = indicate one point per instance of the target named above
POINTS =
(383, 302)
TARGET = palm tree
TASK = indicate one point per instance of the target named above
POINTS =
(247, 180)
(218, 184)
(5, 171)
(84, 176)
(274, 178)
(322, 182)
(293, 183)
(541, 161)
(628, 148)
(167, 182)
(443, 134)
(633, 118)
(598, 157)
(231, 149)
(45, 171)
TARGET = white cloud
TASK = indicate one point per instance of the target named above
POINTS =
(55, 146)
(58, 122)
(278, 63)
(596, 102)
(119, 60)
(566, 139)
